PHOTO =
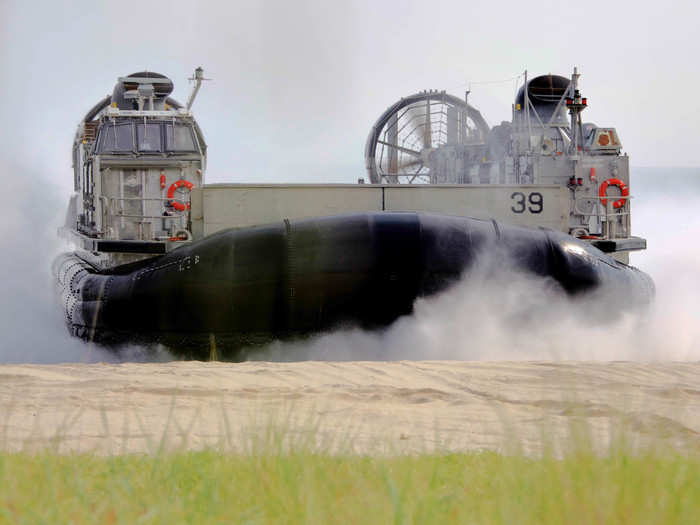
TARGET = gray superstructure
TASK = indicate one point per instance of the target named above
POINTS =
(133, 149)
(139, 161)
(436, 138)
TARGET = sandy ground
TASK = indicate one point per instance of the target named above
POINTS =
(365, 407)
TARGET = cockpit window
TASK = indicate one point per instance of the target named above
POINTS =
(178, 137)
(148, 137)
(118, 137)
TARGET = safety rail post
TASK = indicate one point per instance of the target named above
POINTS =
(610, 215)
(611, 223)
(139, 219)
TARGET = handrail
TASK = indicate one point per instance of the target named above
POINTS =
(610, 217)
(113, 210)
(609, 204)
(138, 199)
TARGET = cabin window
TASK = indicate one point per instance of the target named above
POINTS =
(118, 137)
(148, 137)
(178, 137)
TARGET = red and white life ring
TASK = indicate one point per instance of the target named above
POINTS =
(179, 206)
(602, 192)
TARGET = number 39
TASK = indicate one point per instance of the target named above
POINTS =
(534, 201)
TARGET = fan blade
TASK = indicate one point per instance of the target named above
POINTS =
(400, 148)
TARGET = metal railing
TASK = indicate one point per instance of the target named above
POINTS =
(164, 201)
(610, 218)
(113, 212)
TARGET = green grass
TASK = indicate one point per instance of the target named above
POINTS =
(299, 486)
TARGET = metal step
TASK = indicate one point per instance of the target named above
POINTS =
(626, 244)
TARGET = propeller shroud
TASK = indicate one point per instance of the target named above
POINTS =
(419, 138)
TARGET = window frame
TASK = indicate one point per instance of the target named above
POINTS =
(104, 134)
(193, 137)
(160, 135)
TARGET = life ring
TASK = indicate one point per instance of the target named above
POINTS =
(613, 182)
(179, 206)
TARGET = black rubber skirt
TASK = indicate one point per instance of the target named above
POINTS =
(242, 287)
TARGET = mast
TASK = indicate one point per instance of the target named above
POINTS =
(576, 104)
(198, 77)
(527, 111)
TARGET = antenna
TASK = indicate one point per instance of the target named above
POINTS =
(197, 78)
(576, 104)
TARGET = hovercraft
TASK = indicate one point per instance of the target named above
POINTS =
(163, 257)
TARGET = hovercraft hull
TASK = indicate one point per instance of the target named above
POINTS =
(249, 286)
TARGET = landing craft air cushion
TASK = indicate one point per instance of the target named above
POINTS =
(164, 257)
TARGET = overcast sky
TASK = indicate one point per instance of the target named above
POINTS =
(297, 85)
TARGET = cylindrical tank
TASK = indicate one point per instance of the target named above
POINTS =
(544, 93)
(161, 90)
